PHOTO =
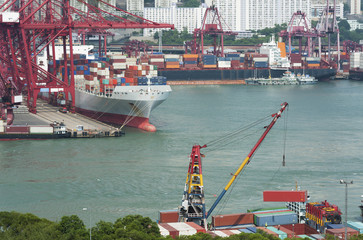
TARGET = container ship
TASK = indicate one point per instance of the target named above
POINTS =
(112, 89)
(270, 61)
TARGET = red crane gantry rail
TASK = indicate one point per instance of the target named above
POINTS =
(30, 28)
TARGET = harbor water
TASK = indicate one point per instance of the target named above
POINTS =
(143, 172)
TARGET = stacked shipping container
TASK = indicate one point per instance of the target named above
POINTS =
(172, 61)
(190, 60)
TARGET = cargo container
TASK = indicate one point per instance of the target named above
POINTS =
(356, 226)
(244, 230)
(223, 233)
(40, 129)
(17, 129)
(285, 196)
(305, 236)
(340, 233)
(168, 216)
(268, 231)
(252, 229)
(300, 228)
(176, 229)
(232, 219)
(334, 226)
(277, 218)
(281, 234)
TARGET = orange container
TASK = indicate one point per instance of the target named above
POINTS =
(172, 66)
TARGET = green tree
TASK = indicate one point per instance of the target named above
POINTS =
(16, 225)
(72, 227)
(343, 24)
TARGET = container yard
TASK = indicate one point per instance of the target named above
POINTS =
(51, 123)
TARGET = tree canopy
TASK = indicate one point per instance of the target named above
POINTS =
(19, 226)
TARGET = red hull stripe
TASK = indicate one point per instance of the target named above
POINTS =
(119, 119)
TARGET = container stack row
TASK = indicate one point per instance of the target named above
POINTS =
(312, 61)
(209, 61)
(172, 61)
(105, 73)
(190, 60)
(157, 59)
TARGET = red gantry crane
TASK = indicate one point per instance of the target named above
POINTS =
(211, 25)
(298, 28)
(327, 26)
(31, 28)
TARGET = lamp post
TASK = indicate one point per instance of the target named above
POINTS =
(346, 204)
(90, 228)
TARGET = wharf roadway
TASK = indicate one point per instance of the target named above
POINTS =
(47, 114)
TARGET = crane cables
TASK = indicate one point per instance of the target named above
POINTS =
(234, 136)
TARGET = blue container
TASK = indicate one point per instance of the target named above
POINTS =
(272, 220)
(261, 64)
(242, 59)
(317, 236)
(356, 225)
(190, 62)
(305, 236)
(87, 72)
(232, 55)
(282, 235)
(123, 80)
(252, 229)
(245, 230)
(171, 60)
(83, 56)
(334, 226)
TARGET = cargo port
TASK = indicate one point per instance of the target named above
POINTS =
(124, 87)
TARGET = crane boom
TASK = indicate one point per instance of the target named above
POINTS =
(247, 159)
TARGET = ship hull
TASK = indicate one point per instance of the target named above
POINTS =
(128, 105)
(356, 74)
(240, 74)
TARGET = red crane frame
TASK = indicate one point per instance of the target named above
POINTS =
(213, 28)
(39, 25)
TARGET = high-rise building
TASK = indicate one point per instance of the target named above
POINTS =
(260, 14)
(355, 6)
(318, 7)
(135, 6)
(229, 10)
(182, 18)
(165, 3)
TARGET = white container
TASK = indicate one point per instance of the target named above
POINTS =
(152, 60)
(166, 56)
(224, 64)
(2, 129)
(312, 59)
(93, 69)
(355, 59)
(119, 66)
(10, 17)
(296, 64)
(18, 99)
(40, 129)
(118, 56)
(260, 59)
